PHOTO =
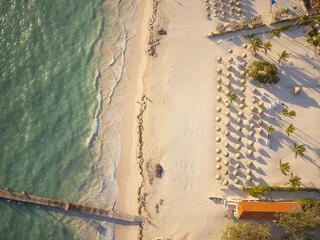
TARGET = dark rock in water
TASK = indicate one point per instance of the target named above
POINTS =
(159, 170)
(162, 31)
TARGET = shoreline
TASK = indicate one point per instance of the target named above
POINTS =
(127, 173)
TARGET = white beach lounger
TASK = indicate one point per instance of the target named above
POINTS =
(268, 140)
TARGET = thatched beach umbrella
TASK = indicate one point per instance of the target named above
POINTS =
(218, 139)
(239, 120)
(235, 172)
(250, 143)
(253, 90)
(260, 122)
(219, 80)
(244, 55)
(226, 162)
(218, 119)
(251, 133)
(239, 129)
(253, 100)
(260, 104)
(229, 67)
(229, 75)
(226, 182)
(244, 45)
(237, 147)
(243, 82)
(238, 4)
(218, 109)
(219, 70)
(237, 156)
(219, 59)
(260, 111)
(230, 50)
(226, 144)
(242, 99)
(227, 104)
(218, 129)
(230, 59)
(227, 133)
(227, 113)
(218, 176)
(242, 89)
(218, 99)
(242, 73)
(219, 88)
(237, 166)
(249, 152)
(248, 172)
(228, 84)
(260, 130)
(218, 166)
(243, 64)
(240, 113)
(227, 92)
(218, 150)
(218, 159)
(252, 115)
(248, 178)
(226, 154)
(239, 10)
(251, 125)
(241, 106)
(226, 172)
(227, 123)
(236, 181)
(238, 138)
(252, 108)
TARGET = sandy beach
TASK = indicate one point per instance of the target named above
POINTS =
(178, 88)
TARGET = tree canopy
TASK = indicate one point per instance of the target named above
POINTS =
(263, 72)
(246, 231)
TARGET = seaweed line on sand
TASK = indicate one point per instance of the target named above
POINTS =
(141, 195)
(153, 39)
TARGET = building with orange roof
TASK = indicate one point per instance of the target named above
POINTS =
(263, 210)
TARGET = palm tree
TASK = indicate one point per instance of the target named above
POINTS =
(294, 181)
(267, 46)
(275, 32)
(283, 56)
(256, 44)
(284, 167)
(232, 97)
(290, 129)
(303, 18)
(299, 149)
(271, 130)
(290, 114)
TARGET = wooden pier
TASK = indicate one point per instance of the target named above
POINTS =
(23, 197)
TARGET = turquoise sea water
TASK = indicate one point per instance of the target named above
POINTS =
(47, 104)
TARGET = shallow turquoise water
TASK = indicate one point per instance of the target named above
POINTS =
(47, 104)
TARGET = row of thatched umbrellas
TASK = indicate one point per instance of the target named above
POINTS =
(239, 120)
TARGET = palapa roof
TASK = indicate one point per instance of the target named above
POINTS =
(263, 210)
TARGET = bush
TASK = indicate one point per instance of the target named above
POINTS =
(251, 35)
(263, 72)
(242, 231)
(309, 203)
(259, 191)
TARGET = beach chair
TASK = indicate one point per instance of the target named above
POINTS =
(268, 140)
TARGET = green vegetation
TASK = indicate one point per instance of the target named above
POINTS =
(290, 129)
(231, 31)
(271, 130)
(267, 46)
(284, 167)
(294, 181)
(299, 149)
(300, 224)
(285, 112)
(246, 231)
(256, 44)
(314, 38)
(251, 35)
(263, 72)
(259, 191)
(283, 56)
(309, 203)
(275, 32)
(233, 97)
